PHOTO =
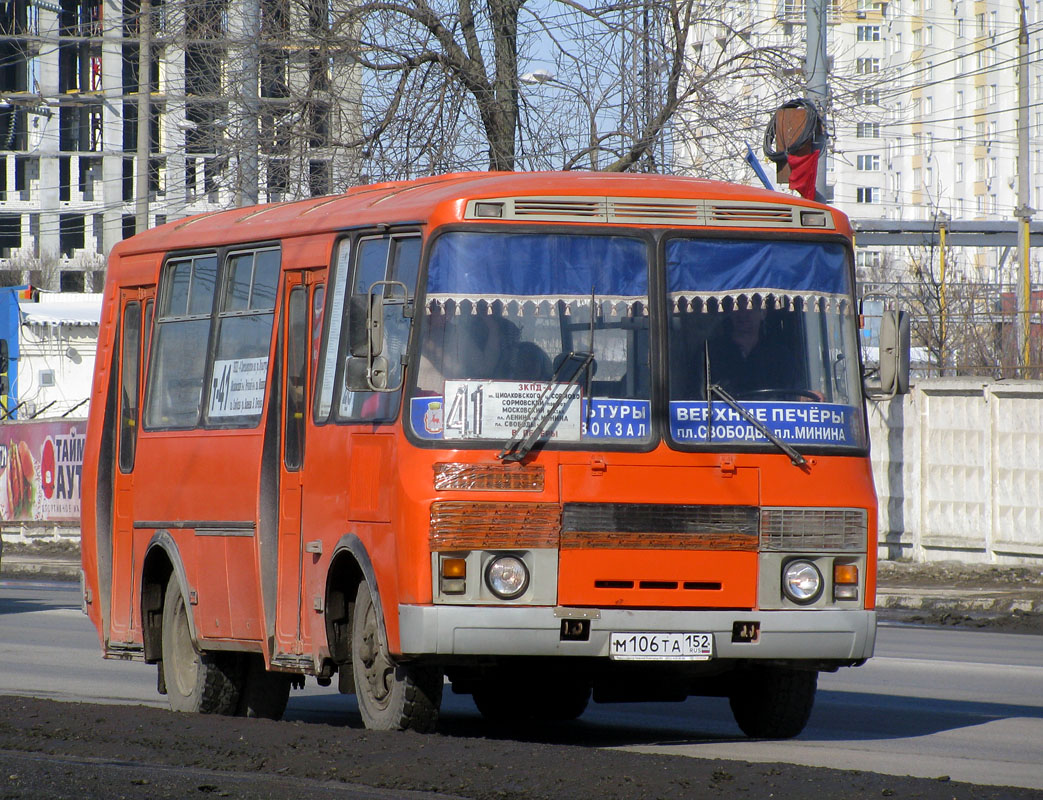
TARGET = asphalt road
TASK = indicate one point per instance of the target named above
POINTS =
(932, 703)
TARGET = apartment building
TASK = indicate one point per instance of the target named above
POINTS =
(247, 100)
(923, 109)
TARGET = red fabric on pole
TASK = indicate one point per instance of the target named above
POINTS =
(803, 172)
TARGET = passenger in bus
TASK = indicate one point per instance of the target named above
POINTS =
(484, 346)
(468, 346)
(745, 359)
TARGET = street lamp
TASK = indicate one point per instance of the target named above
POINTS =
(538, 76)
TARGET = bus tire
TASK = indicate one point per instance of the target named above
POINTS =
(391, 696)
(200, 682)
(773, 702)
(264, 694)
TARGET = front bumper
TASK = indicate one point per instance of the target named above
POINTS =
(841, 635)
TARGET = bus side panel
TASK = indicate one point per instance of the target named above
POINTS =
(207, 480)
(324, 517)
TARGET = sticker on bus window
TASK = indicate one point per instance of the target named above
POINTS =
(616, 418)
(794, 423)
(505, 409)
(499, 410)
(237, 389)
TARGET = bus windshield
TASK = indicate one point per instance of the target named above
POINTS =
(509, 321)
(771, 323)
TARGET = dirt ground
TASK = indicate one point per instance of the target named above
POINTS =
(65, 750)
(952, 592)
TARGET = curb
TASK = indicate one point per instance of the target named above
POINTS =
(953, 600)
(17, 565)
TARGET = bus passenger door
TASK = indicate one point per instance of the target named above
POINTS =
(303, 294)
(135, 317)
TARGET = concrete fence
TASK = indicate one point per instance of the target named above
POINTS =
(958, 464)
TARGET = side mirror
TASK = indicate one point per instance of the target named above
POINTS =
(368, 370)
(355, 379)
(894, 353)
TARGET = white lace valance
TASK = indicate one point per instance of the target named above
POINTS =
(535, 306)
(710, 302)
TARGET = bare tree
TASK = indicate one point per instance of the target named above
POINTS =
(442, 88)
(964, 325)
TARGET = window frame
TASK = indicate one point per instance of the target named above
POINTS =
(220, 315)
(332, 351)
(223, 256)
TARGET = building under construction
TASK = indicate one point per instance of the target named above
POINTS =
(246, 101)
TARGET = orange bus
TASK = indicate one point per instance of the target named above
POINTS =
(546, 438)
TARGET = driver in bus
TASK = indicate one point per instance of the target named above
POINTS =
(745, 359)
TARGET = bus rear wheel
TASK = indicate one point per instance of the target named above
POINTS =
(391, 696)
(773, 702)
(205, 683)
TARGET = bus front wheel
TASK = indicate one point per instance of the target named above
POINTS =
(391, 696)
(200, 682)
(773, 702)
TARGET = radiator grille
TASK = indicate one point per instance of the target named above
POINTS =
(476, 526)
(814, 529)
(658, 526)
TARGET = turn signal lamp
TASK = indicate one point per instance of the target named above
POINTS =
(454, 576)
(454, 568)
(845, 581)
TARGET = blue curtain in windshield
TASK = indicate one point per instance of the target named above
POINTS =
(470, 264)
(714, 266)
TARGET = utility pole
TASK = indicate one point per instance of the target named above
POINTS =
(141, 157)
(815, 74)
(1022, 325)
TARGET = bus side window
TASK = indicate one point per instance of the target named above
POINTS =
(391, 258)
(244, 335)
(182, 332)
(296, 375)
(130, 355)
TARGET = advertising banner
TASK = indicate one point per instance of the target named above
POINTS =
(40, 466)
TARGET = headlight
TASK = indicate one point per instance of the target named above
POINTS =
(801, 582)
(507, 577)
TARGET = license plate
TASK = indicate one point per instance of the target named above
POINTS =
(661, 646)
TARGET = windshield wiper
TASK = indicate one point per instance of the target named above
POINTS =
(545, 407)
(715, 389)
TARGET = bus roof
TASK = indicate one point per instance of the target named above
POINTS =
(440, 199)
